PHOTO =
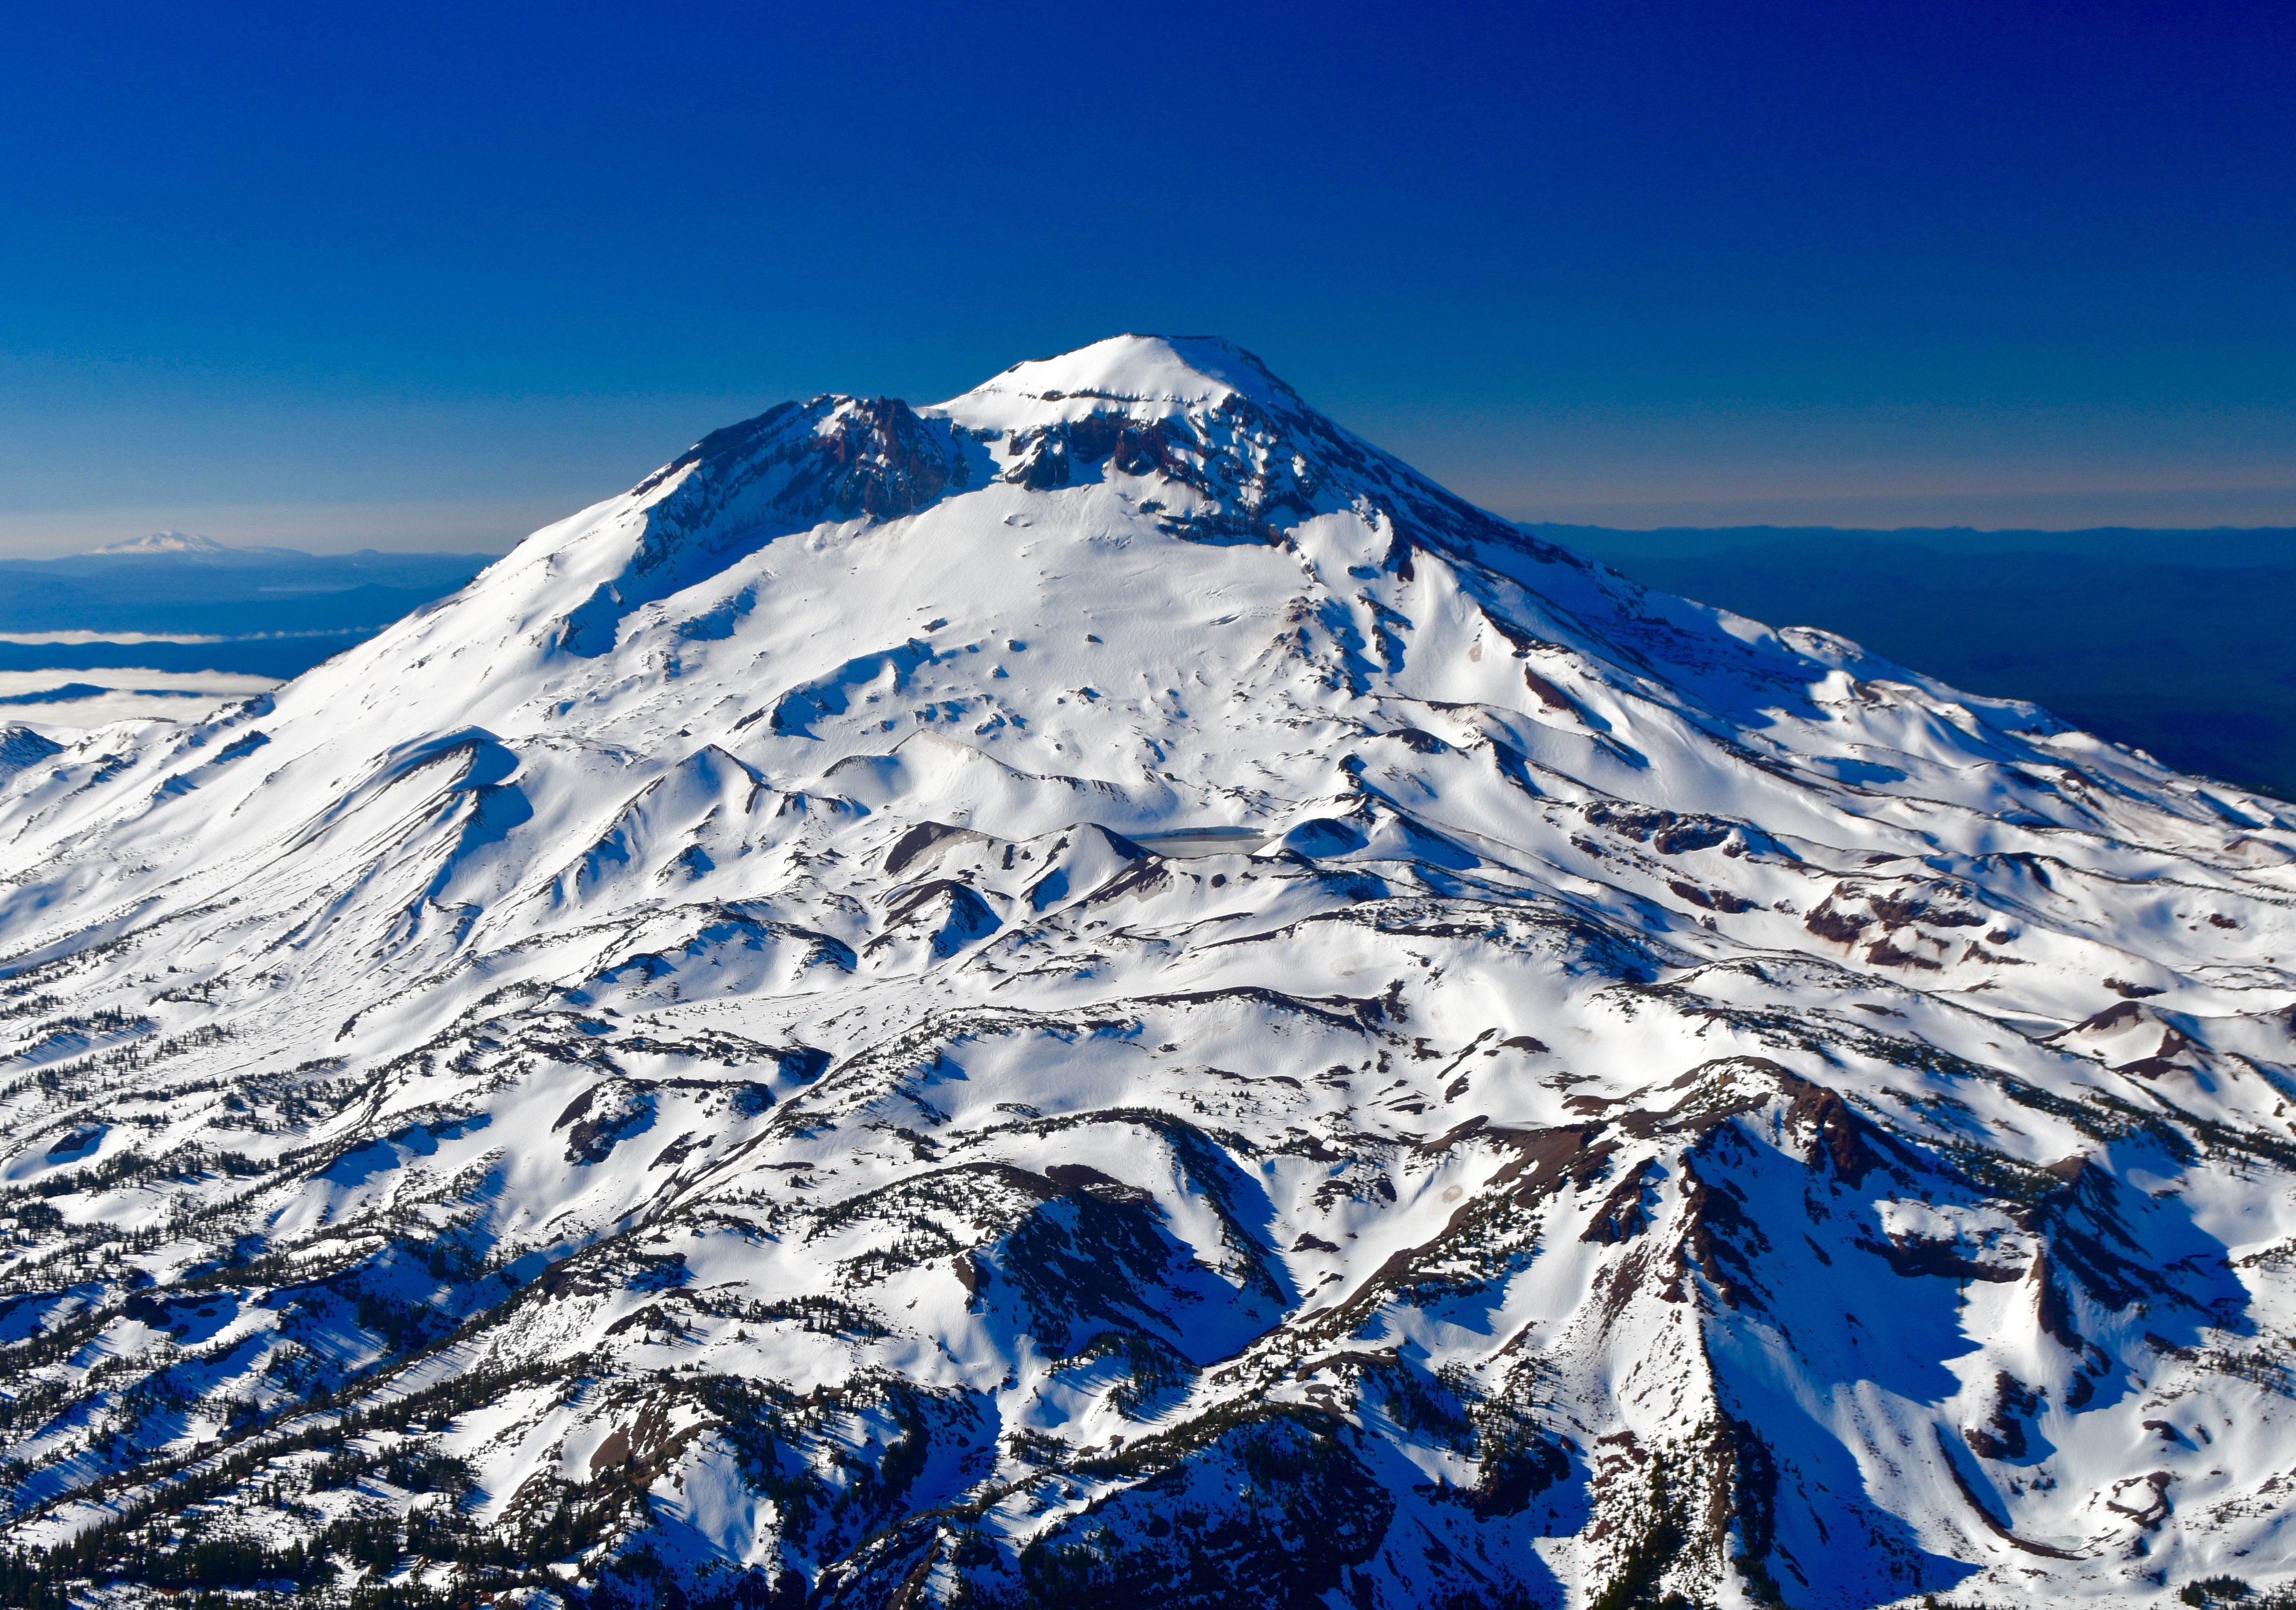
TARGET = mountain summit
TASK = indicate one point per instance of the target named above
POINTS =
(1099, 993)
(164, 542)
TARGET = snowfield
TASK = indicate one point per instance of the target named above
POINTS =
(1099, 993)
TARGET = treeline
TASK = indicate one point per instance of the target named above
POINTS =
(135, 1546)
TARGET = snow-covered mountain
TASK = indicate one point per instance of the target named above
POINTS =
(164, 542)
(1100, 994)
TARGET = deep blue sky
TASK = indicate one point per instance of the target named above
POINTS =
(429, 274)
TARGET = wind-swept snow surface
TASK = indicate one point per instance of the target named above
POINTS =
(1100, 994)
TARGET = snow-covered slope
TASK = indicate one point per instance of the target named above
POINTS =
(1099, 993)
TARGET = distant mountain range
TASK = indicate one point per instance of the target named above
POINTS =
(280, 611)
(2177, 642)
(2216, 548)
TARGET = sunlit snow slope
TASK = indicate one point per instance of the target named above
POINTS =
(1100, 994)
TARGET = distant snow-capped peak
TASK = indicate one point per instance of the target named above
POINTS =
(165, 542)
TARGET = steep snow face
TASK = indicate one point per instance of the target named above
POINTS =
(1099, 991)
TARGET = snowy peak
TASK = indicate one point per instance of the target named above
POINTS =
(844, 457)
(165, 542)
(1150, 375)
(1194, 435)
(1219, 444)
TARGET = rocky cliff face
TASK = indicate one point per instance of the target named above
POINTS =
(1100, 994)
